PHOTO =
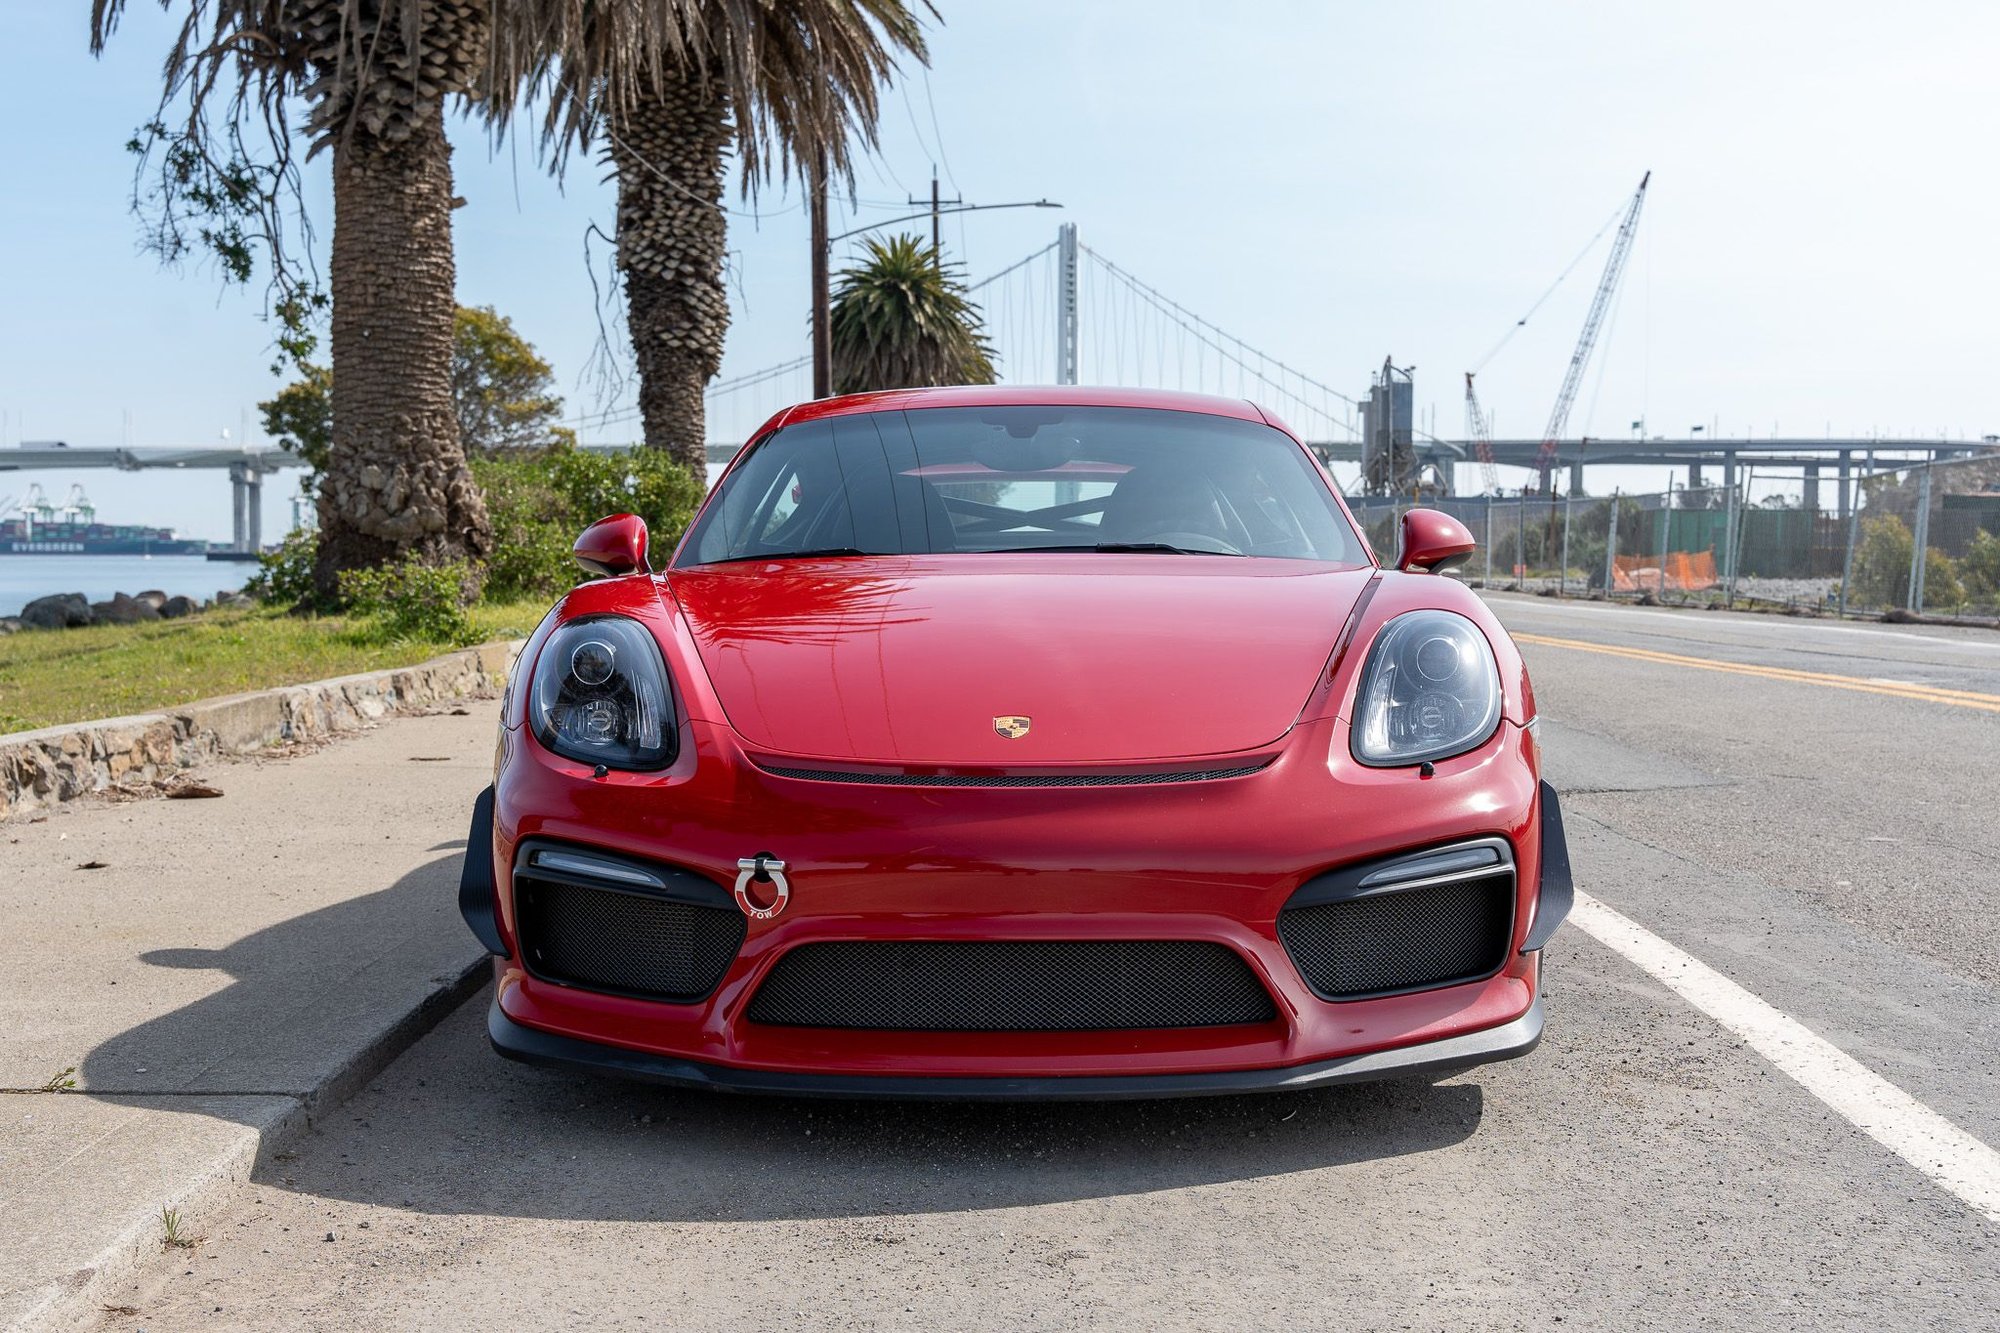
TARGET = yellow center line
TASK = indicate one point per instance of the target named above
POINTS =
(1989, 703)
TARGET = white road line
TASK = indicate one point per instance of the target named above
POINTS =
(1952, 1158)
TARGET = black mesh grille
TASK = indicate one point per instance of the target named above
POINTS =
(624, 943)
(1016, 779)
(1405, 940)
(1040, 986)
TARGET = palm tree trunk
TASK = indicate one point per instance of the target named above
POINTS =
(668, 151)
(397, 481)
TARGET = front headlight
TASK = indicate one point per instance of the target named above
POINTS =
(1430, 690)
(601, 695)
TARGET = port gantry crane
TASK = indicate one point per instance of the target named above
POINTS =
(1607, 286)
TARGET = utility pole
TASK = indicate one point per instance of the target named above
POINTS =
(937, 206)
(1066, 304)
(822, 327)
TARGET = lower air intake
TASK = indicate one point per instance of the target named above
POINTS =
(993, 986)
(624, 943)
(1430, 935)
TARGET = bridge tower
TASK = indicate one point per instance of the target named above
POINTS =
(1066, 303)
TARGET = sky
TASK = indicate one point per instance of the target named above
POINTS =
(1332, 183)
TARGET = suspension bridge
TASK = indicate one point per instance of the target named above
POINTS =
(1067, 314)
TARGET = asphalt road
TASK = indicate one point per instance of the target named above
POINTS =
(1797, 805)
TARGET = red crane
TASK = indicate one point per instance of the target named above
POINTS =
(1600, 305)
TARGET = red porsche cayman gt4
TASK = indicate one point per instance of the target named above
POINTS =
(1018, 742)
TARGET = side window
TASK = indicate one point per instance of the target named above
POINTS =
(780, 504)
(762, 505)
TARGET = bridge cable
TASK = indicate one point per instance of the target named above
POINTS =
(1201, 330)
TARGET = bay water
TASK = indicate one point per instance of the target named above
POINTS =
(23, 578)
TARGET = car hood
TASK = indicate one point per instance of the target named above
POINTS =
(1111, 658)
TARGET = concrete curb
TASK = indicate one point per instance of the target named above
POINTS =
(77, 1300)
(40, 769)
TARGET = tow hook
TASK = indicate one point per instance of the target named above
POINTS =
(762, 868)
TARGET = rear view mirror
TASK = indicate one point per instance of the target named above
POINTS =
(1433, 541)
(613, 546)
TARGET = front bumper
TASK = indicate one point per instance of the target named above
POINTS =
(1211, 861)
(1432, 1059)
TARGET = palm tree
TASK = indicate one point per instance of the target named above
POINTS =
(374, 75)
(671, 86)
(902, 321)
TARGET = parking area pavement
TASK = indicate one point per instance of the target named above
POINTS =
(192, 980)
(1816, 847)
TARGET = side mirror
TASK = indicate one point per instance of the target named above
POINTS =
(613, 546)
(1433, 541)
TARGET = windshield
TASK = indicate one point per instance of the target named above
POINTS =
(982, 479)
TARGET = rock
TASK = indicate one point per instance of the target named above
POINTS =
(62, 610)
(176, 607)
(123, 609)
(10, 625)
(152, 597)
(230, 598)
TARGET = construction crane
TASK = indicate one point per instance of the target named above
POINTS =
(1600, 305)
(1480, 428)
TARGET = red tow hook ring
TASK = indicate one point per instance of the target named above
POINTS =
(762, 868)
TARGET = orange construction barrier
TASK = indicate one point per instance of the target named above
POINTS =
(1686, 571)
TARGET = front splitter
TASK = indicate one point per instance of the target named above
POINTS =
(1428, 1059)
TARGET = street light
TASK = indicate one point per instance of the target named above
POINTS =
(961, 208)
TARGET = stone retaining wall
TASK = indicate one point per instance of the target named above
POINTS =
(42, 768)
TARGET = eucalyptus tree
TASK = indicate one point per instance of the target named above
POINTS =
(666, 89)
(221, 173)
(901, 320)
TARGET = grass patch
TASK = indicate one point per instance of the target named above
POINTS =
(174, 1234)
(49, 677)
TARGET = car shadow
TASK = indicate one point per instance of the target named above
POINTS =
(454, 1129)
(306, 997)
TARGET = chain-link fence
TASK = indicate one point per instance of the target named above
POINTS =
(1706, 546)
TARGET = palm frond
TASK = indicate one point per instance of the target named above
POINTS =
(802, 77)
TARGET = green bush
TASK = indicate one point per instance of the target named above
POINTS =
(1882, 568)
(1941, 582)
(284, 576)
(540, 501)
(1981, 568)
(410, 600)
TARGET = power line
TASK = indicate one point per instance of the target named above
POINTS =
(1522, 322)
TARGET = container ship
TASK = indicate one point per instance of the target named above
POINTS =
(35, 526)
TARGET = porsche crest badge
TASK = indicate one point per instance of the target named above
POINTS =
(1013, 728)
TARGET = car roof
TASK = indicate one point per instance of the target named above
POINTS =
(1015, 395)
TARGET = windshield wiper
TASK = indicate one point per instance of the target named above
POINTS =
(792, 555)
(1123, 548)
(1167, 547)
